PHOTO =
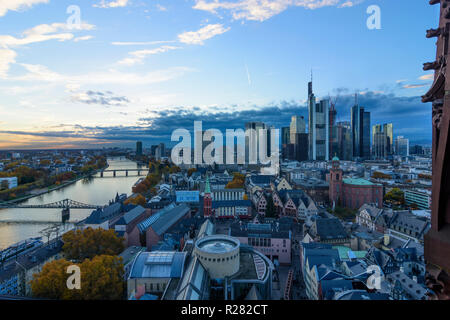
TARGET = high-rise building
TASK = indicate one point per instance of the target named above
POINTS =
(402, 146)
(333, 147)
(360, 122)
(382, 141)
(252, 140)
(285, 135)
(344, 141)
(318, 127)
(301, 147)
(139, 148)
(298, 125)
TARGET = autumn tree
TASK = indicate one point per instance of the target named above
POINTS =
(138, 200)
(191, 171)
(87, 243)
(101, 279)
(237, 182)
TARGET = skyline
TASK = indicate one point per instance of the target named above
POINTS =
(225, 63)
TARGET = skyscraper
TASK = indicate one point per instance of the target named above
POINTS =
(318, 127)
(333, 147)
(344, 141)
(402, 146)
(298, 125)
(360, 123)
(252, 140)
(382, 136)
(139, 148)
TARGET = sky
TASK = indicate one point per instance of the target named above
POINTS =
(106, 73)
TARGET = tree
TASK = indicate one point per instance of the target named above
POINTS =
(270, 209)
(101, 279)
(395, 196)
(87, 243)
(50, 283)
(139, 200)
(237, 182)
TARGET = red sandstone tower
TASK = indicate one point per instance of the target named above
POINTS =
(207, 200)
(335, 181)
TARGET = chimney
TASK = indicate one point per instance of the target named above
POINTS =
(415, 278)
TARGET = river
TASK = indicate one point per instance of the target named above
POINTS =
(21, 224)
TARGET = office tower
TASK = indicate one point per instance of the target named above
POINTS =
(252, 140)
(333, 147)
(301, 147)
(298, 125)
(318, 127)
(153, 150)
(344, 140)
(139, 148)
(402, 146)
(366, 135)
(285, 140)
(382, 141)
(285, 135)
(360, 123)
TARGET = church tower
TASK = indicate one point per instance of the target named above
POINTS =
(335, 182)
(207, 200)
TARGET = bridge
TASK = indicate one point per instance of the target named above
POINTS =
(65, 205)
(115, 171)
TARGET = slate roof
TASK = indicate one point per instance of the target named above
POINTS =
(130, 216)
(330, 229)
(161, 221)
(101, 215)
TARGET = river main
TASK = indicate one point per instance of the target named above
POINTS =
(21, 224)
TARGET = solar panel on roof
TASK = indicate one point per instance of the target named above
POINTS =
(160, 257)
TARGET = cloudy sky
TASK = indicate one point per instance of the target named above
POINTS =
(99, 73)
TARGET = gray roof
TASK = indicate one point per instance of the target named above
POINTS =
(163, 220)
(414, 290)
(101, 215)
(131, 215)
(330, 229)
(158, 264)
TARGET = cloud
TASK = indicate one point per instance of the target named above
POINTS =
(43, 74)
(106, 98)
(111, 4)
(157, 125)
(427, 77)
(84, 38)
(205, 33)
(16, 5)
(140, 43)
(161, 8)
(140, 55)
(260, 10)
(43, 32)
(415, 86)
(7, 57)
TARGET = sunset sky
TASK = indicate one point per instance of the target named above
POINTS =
(138, 69)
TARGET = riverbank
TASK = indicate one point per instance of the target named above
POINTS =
(57, 187)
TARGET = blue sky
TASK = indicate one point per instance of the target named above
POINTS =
(137, 70)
